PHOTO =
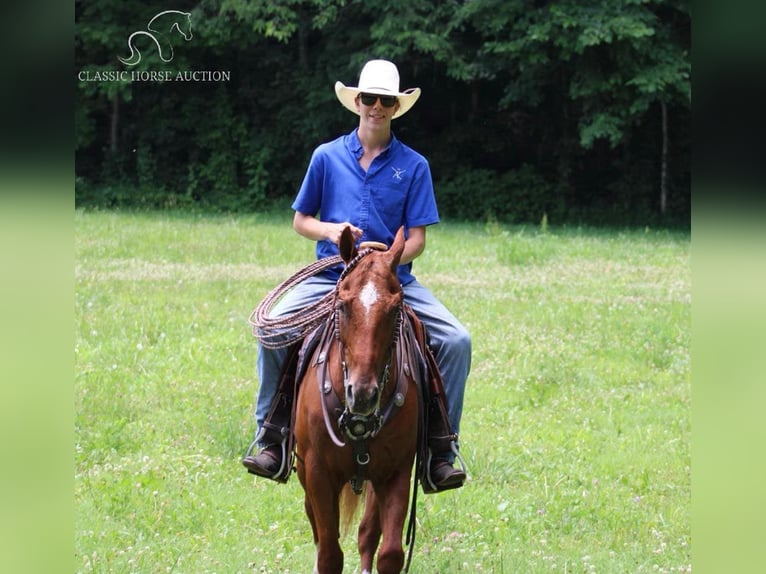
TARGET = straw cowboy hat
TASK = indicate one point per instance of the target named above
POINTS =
(378, 77)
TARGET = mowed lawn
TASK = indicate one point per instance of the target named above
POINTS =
(576, 426)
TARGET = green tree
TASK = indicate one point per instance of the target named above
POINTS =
(596, 67)
(573, 107)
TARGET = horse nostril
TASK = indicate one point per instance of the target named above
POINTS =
(374, 395)
(349, 394)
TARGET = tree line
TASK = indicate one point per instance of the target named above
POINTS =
(578, 110)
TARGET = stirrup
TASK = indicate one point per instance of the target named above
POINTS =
(428, 485)
(283, 473)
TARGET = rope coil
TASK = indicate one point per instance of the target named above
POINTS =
(278, 332)
(283, 331)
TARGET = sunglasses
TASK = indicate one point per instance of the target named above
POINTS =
(385, 101)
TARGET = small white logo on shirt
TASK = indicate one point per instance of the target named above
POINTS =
(398, 173)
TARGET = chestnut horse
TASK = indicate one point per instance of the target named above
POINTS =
(356, 372)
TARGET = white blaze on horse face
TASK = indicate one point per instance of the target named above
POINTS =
(368, 296)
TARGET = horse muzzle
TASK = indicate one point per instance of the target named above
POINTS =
(362, 397)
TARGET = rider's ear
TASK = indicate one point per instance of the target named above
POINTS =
(347, 245)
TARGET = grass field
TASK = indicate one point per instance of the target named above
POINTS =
(576, 426)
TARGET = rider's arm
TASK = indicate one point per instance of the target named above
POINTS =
(415, 244)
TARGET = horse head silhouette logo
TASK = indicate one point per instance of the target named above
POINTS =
(159, 31)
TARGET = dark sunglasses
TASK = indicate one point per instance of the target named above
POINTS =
(385, 101)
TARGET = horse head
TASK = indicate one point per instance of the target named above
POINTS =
(368, 310)
(185, 26)
(169, 20)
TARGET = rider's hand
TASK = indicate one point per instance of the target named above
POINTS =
(333, 231)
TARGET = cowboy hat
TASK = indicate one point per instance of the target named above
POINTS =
(378, 77)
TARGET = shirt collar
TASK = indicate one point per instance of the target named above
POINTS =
(355, 146)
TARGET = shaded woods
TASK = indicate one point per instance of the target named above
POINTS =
(578, 110)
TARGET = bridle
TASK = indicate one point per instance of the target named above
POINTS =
(371, 423)
(359, 429)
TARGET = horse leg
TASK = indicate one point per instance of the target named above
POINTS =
(369, 531)
(307, 507)
(322, 498)
(310, 514)
(393, 498)
(329, 556)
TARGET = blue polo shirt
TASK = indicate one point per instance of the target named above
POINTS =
(395, 191)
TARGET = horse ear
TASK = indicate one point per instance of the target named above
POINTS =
(396, 249)
(347, 245)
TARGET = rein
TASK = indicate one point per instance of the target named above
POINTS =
(359, 429)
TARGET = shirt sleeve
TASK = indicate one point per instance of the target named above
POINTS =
(420, 209)
(309, 198)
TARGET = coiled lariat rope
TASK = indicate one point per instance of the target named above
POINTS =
(278, 332)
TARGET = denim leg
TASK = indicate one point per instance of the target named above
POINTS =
(450, 342)
(270, 361)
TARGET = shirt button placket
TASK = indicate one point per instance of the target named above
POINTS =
(364, 211)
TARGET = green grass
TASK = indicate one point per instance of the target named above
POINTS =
(576, 426)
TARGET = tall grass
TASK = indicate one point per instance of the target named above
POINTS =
(576, 425)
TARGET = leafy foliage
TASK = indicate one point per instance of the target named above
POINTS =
(521, 195)
(569, 91)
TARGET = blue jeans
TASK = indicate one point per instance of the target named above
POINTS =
(450, 341)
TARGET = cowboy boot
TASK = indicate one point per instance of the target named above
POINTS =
(270, 461)
(274, 461)
(442, 450)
